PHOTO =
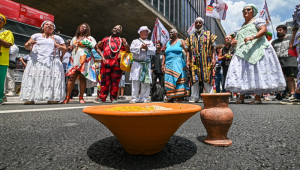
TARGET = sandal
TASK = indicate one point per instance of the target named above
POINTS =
(67, 100)
(255, 102)
(239, 101)
(81, 100)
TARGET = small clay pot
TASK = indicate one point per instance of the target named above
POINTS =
(216, 118)
(143, 132)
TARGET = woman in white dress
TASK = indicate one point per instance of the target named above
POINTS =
(43, 78)
(254, 68)
(82, 61)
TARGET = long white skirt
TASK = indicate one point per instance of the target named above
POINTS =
(42, 83)
(263, 77)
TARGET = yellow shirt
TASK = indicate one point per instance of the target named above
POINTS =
(7, 36)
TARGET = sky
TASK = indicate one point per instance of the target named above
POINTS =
(280, 10)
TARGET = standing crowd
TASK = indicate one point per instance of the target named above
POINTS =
(247, 63)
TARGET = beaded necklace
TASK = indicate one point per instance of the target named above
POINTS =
(117, 44)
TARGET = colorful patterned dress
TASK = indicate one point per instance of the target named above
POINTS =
(201, 57)
(296, 25)
(175, 75)
(82, 58)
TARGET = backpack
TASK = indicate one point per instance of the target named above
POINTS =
(157, 93)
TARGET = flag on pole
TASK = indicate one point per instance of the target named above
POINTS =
(191, 29)
(216, 9)
(264, 14)
(160, 33)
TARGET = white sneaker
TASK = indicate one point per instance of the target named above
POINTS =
(193, 100)
(84, 94)
(291, 98)
(10, 94)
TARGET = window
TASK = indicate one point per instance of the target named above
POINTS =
(167, 8)
(161, 6)
(176, 13)
(155, 3)
(172, 11)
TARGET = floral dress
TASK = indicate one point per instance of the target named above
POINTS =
(296, 25)
(82, 58)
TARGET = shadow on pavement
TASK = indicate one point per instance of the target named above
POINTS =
(201, 139)
(109, 152)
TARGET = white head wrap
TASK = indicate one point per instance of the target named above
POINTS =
(143, 28)
(50, 22)
(200, 19)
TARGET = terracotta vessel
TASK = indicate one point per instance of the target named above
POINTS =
(216, 118)
(143, 132)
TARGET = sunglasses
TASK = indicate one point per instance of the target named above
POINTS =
(248, 9)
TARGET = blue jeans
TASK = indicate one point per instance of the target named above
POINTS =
(218, 82)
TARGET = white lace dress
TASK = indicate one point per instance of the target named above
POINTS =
(263, 77)
(43, 78)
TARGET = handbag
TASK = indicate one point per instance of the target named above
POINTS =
(12, 64)
(126, 60)
(293, 52)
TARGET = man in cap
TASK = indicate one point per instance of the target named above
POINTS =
(6, 41)
(201, 60)
(110, 66)
(140, 74)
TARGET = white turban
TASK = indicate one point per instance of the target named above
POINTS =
(50, 22)
(199, 19)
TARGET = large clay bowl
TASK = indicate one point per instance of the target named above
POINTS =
(143, 132)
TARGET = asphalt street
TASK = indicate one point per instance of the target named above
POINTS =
(42, 136)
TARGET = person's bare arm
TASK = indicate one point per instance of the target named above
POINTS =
(293, 38)
(213, 63)
(5, 44)
(163, 63)
(61, 47)
(127, 48)
(98, 49)
(21, 59)
(262, 30)
(186, 50)
(29, 44)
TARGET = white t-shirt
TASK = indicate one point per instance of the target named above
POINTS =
(66, 57)
(13, 52)
(27, 57)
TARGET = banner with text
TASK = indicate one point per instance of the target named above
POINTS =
(216, 9)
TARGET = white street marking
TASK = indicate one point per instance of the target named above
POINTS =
(37, 110)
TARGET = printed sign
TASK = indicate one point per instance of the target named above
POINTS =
(23, 13)
(33, 16)
(10, 9)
